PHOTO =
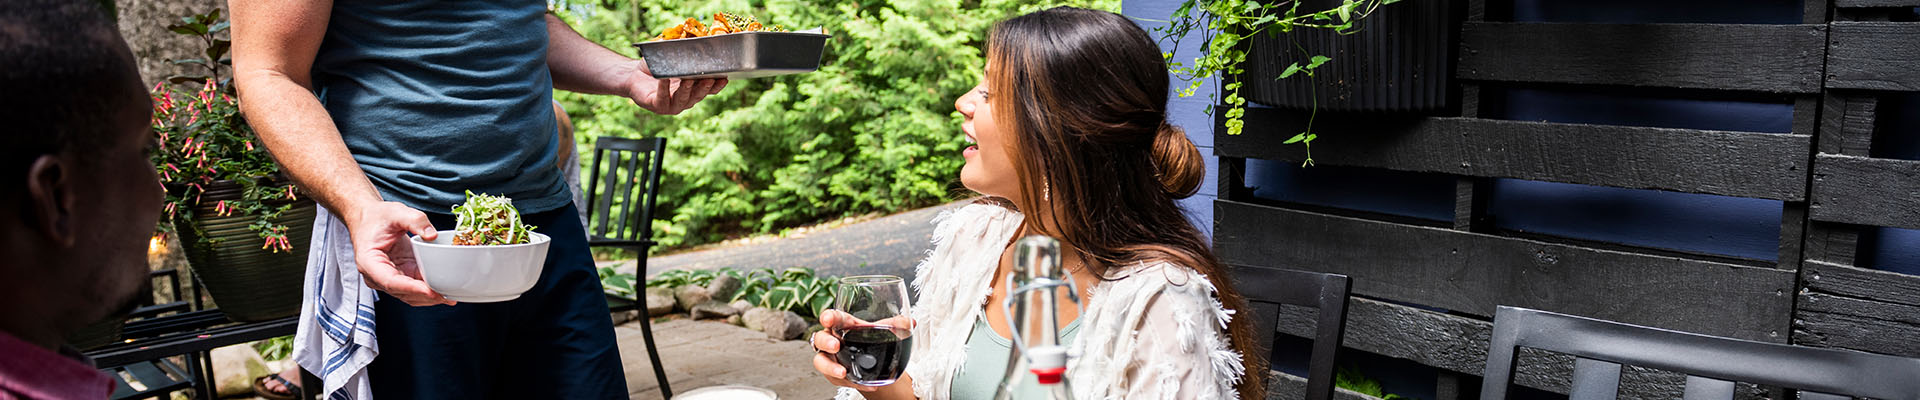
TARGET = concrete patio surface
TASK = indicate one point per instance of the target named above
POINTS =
(708, 353)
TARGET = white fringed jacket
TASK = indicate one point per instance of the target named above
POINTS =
(1149, 331)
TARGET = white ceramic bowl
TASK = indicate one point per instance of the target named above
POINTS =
(480, 274)
(727, 392)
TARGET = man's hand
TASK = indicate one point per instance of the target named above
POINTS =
(384, 255)
(668, 96)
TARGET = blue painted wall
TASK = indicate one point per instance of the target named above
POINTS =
(1186, 112)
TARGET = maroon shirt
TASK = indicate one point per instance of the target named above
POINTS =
(32, 372)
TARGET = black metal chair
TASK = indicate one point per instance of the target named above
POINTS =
(1712, 364)
(621, 216)
(1327, 293)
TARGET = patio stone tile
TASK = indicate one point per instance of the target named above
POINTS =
(706, 353)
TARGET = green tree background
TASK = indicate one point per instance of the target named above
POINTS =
(874, 130)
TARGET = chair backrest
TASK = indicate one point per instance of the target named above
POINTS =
(1326, 293)
(1712, 364)
(623, 181)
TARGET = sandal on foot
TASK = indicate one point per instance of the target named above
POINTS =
(260, 388)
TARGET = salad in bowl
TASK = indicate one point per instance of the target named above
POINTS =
(489, 256)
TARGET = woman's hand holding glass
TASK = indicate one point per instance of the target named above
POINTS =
(867, 339)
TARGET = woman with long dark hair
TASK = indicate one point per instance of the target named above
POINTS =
(1073, 142)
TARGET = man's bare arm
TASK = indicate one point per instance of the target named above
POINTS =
(274, 44)
(580, 65)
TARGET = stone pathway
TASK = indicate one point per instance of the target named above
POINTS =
(706, 353)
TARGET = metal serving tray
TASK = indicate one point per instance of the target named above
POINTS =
(735, 55)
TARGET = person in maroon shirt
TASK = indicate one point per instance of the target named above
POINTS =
(78, 197)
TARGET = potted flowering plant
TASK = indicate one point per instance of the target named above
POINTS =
(242, 223)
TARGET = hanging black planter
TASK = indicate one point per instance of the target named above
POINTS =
(1400, 61)
(248, 282)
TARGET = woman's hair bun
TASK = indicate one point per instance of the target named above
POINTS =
(1177, 162)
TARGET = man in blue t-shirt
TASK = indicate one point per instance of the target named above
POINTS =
(386, 112)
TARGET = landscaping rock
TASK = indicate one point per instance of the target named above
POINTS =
(660, 301)
(783, 325)
(722, 287)
(713, 310)
(621, 317)
(742, 305)
(754, 316)
(735, 320)
(234, 368)
(687, 296)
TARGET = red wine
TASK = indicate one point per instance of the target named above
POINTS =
(874, 355)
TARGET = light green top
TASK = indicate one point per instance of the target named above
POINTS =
(987, 360)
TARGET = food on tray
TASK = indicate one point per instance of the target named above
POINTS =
(489, 220)
(723, 23)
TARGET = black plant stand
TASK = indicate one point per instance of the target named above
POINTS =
(195, 334)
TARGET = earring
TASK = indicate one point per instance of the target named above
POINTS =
(1046, 189)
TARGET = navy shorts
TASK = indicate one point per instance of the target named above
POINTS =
(554, 342)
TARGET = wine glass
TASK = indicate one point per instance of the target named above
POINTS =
(874, 349)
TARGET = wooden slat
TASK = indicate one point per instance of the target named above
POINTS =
(1875, 56)
(1852, 323)
(1831, 242)
(1742, 164)
(1473, 273)
(1863, 283)
(1285, 386)
(1459, 345)
(1793, 232)
(1866, 191)
(1470, 198)
(1767, 58)
(1858, 308)
(1847, 127)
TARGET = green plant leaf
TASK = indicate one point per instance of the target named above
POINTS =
(796, 273)
(1291, 69)
(218, 50)
(1316, 61)
(188, 29)
(1297, 138)
(820, 305)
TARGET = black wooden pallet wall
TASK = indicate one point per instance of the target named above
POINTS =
(1833, 68)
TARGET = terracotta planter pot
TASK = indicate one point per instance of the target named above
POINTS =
(247, 282)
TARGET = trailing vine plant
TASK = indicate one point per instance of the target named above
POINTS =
(1224, 24)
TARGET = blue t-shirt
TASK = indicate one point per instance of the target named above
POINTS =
(434, 98)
